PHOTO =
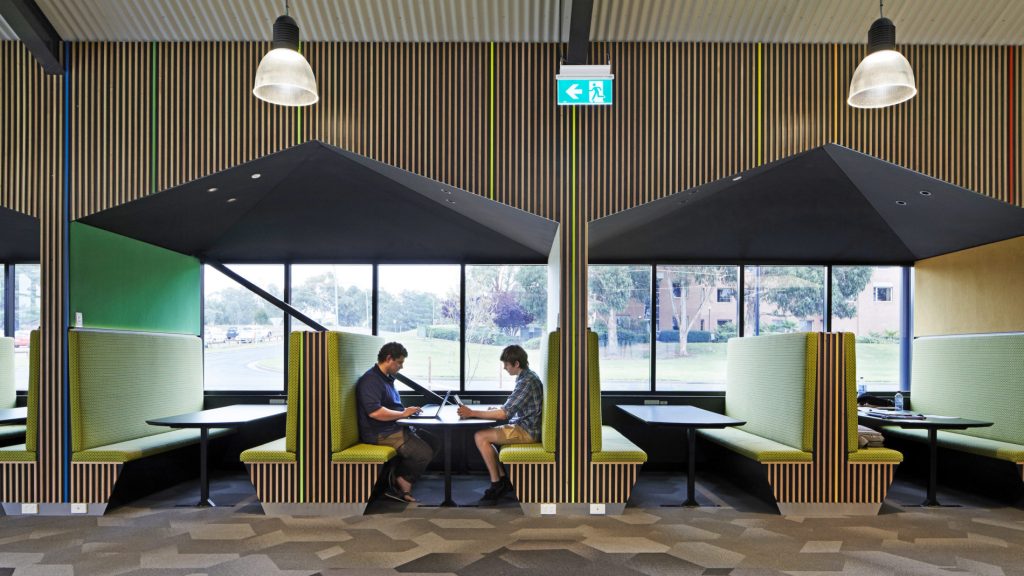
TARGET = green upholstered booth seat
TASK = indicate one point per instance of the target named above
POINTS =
(525, 453)
(617, 448)
(27, 452)
(12, 432)
(146, 446)
(756, 447)
(16, 453)
(955, 440)
(273, 451)
(121, 379)
(364, 453)
(543, 451)
(606, 443)
(876, 455)
(975, 377)
(770, 383)
(352, 355)
(7, 384)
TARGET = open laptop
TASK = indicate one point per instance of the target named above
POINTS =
(432, 410)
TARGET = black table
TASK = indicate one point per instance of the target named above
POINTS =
(447, 420)
(13, 415)
(226, 417)
(691, 418)
(932, 424)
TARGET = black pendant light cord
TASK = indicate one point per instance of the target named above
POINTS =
(880, 15)
(286, 7)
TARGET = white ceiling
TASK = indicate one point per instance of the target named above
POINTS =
(983, 22)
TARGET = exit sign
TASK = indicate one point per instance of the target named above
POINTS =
(584, 91)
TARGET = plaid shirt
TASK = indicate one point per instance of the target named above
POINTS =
(526, 403)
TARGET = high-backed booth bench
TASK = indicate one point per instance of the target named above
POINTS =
(975, 377)
(118, 380)
(17, 463)
(10, 433)
(797, 394)
(320, 465)
(614, 460)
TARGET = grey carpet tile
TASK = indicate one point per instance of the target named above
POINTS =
(153, 537)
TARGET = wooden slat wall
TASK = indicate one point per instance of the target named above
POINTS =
(93, 482)
(146, 117)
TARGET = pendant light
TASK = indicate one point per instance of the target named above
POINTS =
(884, 77)
(284, 77)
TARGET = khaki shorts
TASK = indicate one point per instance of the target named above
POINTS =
(513, 434)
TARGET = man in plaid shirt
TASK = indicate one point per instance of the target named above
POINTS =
(522, 411)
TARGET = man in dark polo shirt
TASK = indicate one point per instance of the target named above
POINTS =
(379, 406)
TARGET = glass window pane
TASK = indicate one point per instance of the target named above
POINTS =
(419, 307)
(620, 313)
(697, 312)
(27, 304)
(866, 301)
(781, 299)
(340, 297)
(504, 305)
(243, 334)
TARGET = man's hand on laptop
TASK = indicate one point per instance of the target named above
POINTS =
(466, 412)
(410, 410)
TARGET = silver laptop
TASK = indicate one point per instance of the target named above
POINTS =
(432, 410)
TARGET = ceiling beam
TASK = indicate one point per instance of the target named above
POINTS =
(36, 31)
(579, 32)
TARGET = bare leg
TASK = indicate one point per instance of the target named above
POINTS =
(485, 441)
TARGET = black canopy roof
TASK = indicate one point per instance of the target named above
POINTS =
(19, 236)
(316, 202)
(829, 205)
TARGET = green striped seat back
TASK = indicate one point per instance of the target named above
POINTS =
(349, 357)
(6, 372)
(770, 382)
(291, 426)
(976, 377)
(550, 360)
(32, 420)
(594, 389)
(121, 379)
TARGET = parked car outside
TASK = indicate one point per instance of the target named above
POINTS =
(232, 332)
(215, 336)
(21, 338)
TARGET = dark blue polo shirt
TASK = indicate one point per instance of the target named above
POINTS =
(373, 390)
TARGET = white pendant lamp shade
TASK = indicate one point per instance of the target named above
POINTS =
(884, 77)
(284, 77)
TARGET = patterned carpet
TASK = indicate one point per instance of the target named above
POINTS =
(740, 536)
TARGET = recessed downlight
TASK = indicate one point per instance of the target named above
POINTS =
(737, 178)
(449, 200)
(213, 189)
(230, 200)
(901, 203)
(256, 176)
(925, 193)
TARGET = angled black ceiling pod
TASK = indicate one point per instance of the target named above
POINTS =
(317, 203)
(828, 205)
(579, 32)
(35, 30)
(19, 237)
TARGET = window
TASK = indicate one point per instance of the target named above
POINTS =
(688, 357)
(338, 297)
(27, 306)
(504, 305)
(781, 299)
(243, 334)
(419, 307)
(883, 293)
(857, 307)
(620, 313)
(726, 294)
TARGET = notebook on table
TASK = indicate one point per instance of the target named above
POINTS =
(432, 410)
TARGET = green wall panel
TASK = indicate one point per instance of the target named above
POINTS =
(124, 284)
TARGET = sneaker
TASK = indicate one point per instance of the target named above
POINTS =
(504, 485)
